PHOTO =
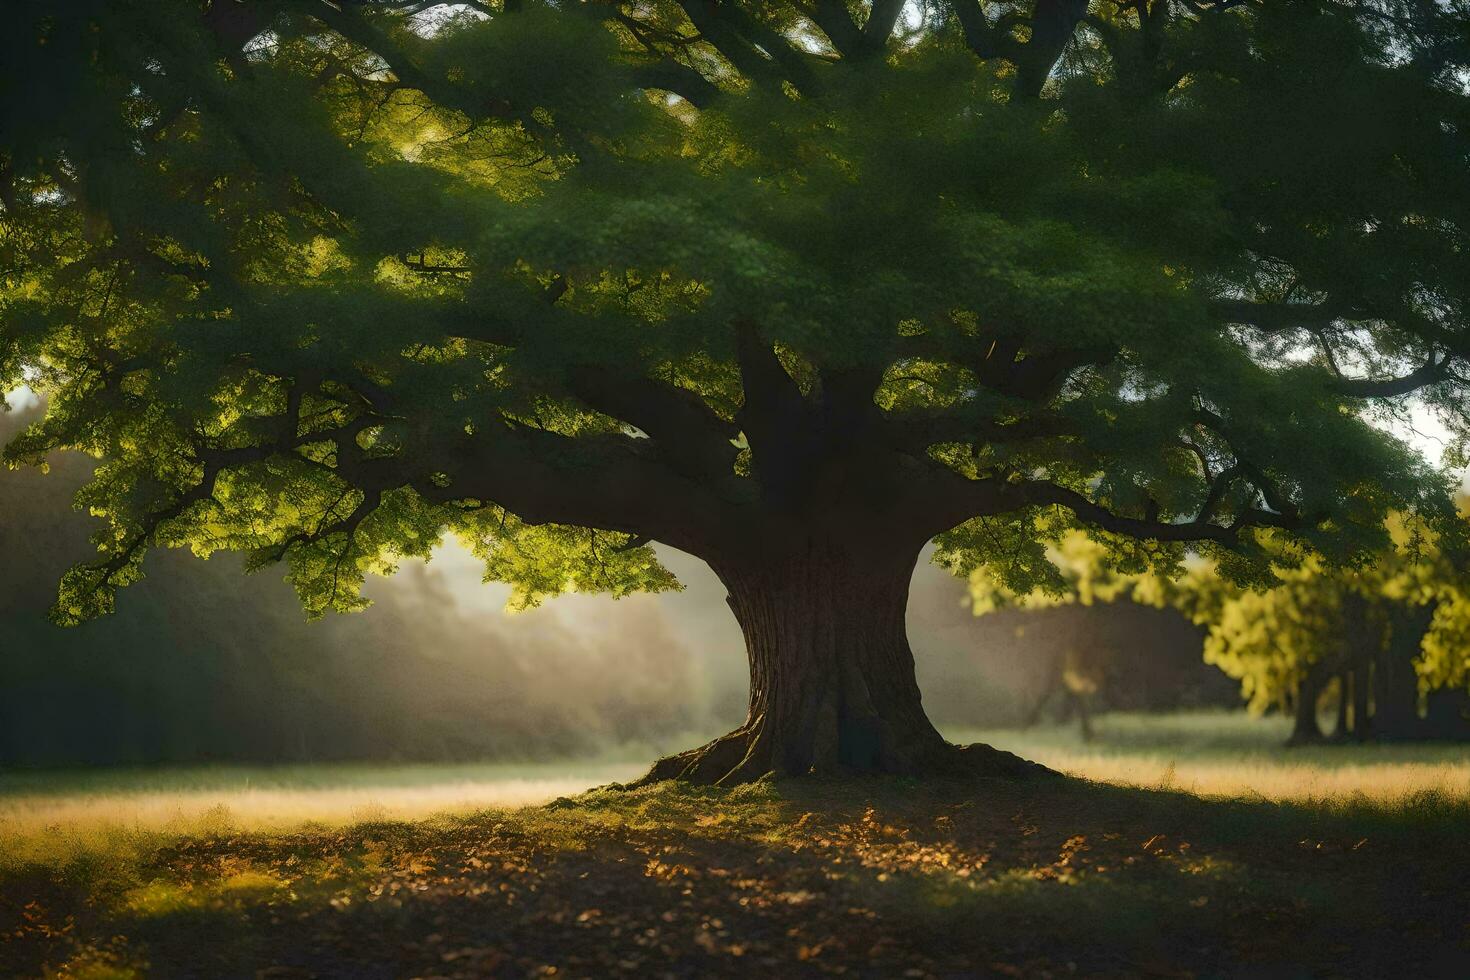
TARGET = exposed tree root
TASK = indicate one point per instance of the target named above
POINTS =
(746, 755)
(980, 760)
(832, 685)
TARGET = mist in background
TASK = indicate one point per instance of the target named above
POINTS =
(204, 663)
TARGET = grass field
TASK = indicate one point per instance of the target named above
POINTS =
(1234, 755)
(1207, 851)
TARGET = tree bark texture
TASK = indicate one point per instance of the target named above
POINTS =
(832, 686)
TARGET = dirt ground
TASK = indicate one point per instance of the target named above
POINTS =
(872, 879)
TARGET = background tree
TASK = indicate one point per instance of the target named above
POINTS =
(795, 288)
(1089, 671)
(1383, 636)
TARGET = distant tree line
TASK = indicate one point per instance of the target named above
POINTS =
(1017, 667)
(1385, 645)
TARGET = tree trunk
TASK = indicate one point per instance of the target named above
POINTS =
(1053, 684)
(1305, 729)
(1396, 684)
(1448, 715)
(832, 685)
(1362, 691)
(1340, 730)
(1364, 636)
(1084, 715)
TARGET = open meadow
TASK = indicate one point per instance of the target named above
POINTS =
(1202, 849)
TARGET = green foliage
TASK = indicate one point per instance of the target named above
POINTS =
(1268, 634)
(1079, 568)
(550, 559)
(322, 283)
(1270, 639)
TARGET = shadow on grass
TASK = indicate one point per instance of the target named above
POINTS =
(871, 878)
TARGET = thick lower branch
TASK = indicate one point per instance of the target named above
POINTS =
(950, 499)
(545, 478)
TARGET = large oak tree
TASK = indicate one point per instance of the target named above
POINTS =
(794, 287)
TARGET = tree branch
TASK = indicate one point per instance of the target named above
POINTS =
(1431, 372)
(756, 52)
(878, 28)
(608, 484)
(683, 81)
(1053, 22)
(836, 22)
(1276, 317)
(954, 499)
(371, 499)
(774, 416)
(362, 32)
(694, 439)
(1036, 377)
(917, 430)
(983, 38)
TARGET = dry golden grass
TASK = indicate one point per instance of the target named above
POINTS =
(799, 878)
(42, 815)
(282, 808)
(1234, 756)
(1387, 783)
(1215, 755)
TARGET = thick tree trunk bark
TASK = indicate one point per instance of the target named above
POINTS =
(832, 686)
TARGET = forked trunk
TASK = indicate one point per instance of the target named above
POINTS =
(832, 685)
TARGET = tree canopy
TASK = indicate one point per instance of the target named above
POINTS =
(322, 282)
